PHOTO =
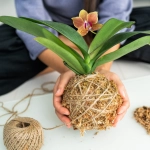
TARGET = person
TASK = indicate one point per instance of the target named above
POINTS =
(22, 58)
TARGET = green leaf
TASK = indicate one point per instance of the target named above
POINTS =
(110, 28)
(26, 26)
(75, 71)
(71, 51)
(65, 54)
(67, 31)
(39, 31)
(117, 38)
(122, 51)
(31, 28)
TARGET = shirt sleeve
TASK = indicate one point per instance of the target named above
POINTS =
(32, 9)
(119, 9)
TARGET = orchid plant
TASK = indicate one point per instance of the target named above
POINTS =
(91, 56)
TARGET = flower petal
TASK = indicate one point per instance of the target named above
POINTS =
(83, 14)
(82, 31)
(92, 17)
(96, 26)
(77, 22)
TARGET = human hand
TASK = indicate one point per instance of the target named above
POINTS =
(125, 105)
(59, 87)
(63, 80)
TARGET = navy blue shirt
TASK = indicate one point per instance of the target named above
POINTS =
(63, 11)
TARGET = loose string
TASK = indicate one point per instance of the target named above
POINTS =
(14, 114)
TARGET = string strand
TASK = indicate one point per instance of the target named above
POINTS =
(14, 114)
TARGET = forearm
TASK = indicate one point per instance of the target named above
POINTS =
(53, 61)
(108, 65)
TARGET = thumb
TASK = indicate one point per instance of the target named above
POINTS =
(59, 92)
(62, 82)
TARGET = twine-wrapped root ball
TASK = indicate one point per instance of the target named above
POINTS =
(23, 133)
(92, 100)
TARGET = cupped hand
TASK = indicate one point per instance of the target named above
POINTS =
(63, 80)
(122, 91)
(59, 88)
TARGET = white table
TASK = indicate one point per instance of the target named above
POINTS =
(128, 135)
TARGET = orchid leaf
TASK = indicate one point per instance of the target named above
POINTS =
(67, 31)
(110, 28)
(69, 50)
(122, 51)
(103, 41)
(115, 40)
(30, 27)
(26, 26)
(38, 31)
(65, 54)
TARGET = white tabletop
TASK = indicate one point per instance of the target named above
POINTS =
(128, 135)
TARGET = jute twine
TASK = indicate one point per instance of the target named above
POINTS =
(92, 101)
(24, 133)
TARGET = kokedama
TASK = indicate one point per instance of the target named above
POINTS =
(90, 97)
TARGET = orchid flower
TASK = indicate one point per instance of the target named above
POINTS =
(86, 22)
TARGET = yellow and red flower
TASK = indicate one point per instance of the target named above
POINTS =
(86, 22)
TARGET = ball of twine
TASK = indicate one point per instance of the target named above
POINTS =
(23, 133)
(92, 101)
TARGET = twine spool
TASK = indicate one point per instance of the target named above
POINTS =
(23, 133)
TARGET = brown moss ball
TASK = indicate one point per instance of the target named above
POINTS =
(92, 100)
(142, 116)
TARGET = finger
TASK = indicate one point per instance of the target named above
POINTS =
(124, 107)
(121, 87)
(126, 103)
(58, 106)
(58, 92)
(56, 85)
(63, 81)
(64, 119)
(118, 118)
(57, 98)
